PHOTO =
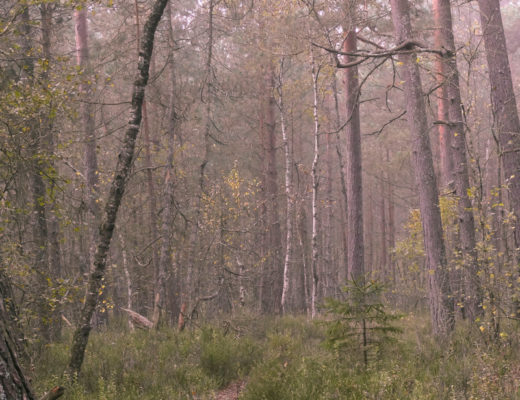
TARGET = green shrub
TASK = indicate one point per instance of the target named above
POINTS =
(360, 322)
(226, 358)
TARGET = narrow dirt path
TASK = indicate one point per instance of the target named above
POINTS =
(232, 391)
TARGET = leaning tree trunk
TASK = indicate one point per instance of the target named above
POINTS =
(106, 229)
(503, 101)
(457, 133)
(441, 305)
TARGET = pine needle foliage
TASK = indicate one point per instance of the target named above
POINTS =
(360, 322)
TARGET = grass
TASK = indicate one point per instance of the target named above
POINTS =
(283, 358)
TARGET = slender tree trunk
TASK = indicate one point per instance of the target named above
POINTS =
(47, 135)
(441, 304)
(207, 89)
(89, 131)
(152, 205)
(128, 280)
(457, 132)
(441, 73)
(503, 101)
(272, 278)
(354, 175)
(289, 193)
(391, 221)
(384, 243)
(329, 264)
(39, 228)
(304, 274)
(344, 270)
(207, 96)
(165, 259)
(315, 184)
(81, 335)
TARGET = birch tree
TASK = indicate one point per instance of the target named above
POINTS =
(289, 193)
(315, 185)
(81, 334)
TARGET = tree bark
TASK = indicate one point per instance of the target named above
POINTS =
(441, 74)
(89, 131)
(13, 384)
(503, 101)
(272, 277)
(391, 220)
(48, 139)
(81, 335)
(152, 203)
(39, 228)
(457, 133)
(343, 271)
(356, 247)
(315, 185)
(165, 259)
(441, 304)
(289, 197)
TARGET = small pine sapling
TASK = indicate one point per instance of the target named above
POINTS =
(360, 321)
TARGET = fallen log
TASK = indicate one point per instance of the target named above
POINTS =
(140, 321)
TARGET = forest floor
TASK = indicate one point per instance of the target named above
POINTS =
(232, 391)
(285, 359)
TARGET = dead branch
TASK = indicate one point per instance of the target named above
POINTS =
(407, 47)
(54, 393)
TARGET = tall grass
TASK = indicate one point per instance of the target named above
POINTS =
(283, 358)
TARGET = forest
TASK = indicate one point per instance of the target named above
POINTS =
(259, 199)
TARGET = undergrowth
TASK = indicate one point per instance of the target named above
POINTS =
(284, 359)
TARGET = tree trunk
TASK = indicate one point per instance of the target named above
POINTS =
(81, 335)
(272, 278)
(152, 203)
(39, 227)
(503, 101)
(89, 131)
(47, 134)
(441, 304)
(354, 175)
(391, 220)
(315, 185)
(289, 194)
(343, 273)
(13, 385)
(457, 132)
(165, 259)
(441, 73)
(128, 280)
(384, 241)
